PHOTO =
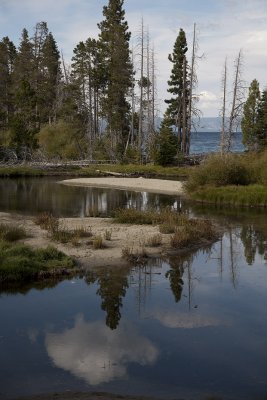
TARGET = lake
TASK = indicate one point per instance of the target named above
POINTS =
(189, 326)
(208, 142)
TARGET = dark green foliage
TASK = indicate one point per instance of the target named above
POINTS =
(114, 41)
(177, 113)
(7, 59)
(261, 121)
(218, 170)
(21, 263)
(249, 120)
(166, 146)
(232, 180)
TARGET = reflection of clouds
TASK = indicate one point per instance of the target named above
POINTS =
(185, 320)
(97, 354)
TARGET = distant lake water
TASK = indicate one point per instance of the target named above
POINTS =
(206, 142)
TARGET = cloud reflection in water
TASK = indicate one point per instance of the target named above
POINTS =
(93, 352)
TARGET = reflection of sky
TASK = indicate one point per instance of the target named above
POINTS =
(172, 319)
(93, 352)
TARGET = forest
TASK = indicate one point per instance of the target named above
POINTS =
(104, 105)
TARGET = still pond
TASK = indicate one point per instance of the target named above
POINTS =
(189, 327)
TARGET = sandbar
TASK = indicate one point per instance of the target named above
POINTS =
(136, 184)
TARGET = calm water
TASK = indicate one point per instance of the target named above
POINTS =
(35, 195)
(187, 327)
(207, 142)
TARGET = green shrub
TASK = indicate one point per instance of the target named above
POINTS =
(20, 262)
(217, 170)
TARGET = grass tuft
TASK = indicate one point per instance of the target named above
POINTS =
(154, 241)
(98, 242)
(12, 233)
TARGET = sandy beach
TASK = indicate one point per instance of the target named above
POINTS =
(135, 184)
(133, 237)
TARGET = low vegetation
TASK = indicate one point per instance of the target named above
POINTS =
(231, 180)
(94, 170)
(11, 233)
(21, 263)
(58, 232)
(194, 232)
(186, 232)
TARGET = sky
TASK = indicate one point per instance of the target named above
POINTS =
(223, 28)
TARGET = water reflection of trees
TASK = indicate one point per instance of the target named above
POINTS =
(35, 195)
(254, 240)
(112, 287)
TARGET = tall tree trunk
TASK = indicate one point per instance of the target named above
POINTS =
(140, 130)
(223, 133)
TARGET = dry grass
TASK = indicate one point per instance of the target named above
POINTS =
(108, 234)
(59, 233)
(11, 233)
(137, 257)
(154, 241)
(98, 242)
(195, 232)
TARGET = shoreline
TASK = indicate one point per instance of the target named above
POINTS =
(132, 237)
(170, 187)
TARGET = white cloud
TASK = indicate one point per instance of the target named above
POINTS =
(93, 352)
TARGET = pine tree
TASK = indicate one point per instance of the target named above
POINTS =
(178, 110)
(51, 75)
(261, 121)
(7, 60)
(114, 38)
(23, 84)
(166, 144)
(248, 123)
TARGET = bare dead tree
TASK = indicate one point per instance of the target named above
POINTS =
(140, 129)
(193, 111)
(223, 111)
(237, 101)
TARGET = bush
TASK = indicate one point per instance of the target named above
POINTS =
(20, 262)
(219, 170)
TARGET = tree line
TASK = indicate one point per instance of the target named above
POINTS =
(102, 106)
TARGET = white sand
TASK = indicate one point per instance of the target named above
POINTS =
(133, 237)
(136, 184)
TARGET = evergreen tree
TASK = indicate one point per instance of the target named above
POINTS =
(166, 144)
(114, 39)
(261, 121)
(23, 85)
(178, 110)
(248, 123)
(51, 75)
(7, 60)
